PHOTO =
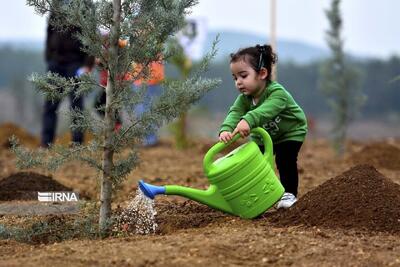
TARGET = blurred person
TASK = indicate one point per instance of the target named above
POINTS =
(65, 57)
(153, 83)
(266, 103)
(152, 80)
(154, 88)
(100, 99)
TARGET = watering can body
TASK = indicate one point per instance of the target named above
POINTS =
(242, 183)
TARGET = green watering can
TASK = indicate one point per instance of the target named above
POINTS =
(242, 183)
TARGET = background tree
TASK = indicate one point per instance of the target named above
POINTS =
(340, 81)
(145, 25)
(184, 66)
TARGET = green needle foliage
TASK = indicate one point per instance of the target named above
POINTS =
(146, 25)
(340, 80)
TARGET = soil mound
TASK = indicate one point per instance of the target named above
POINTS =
(25, 185)
(360, 198)
(9, 129)
(381, 154)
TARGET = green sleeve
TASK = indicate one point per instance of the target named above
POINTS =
(268, 110)
(235, 113)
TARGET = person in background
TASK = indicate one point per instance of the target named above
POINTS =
(154, 88)
(64, 56)
(152, 80)
(100, 99)
(266, 103)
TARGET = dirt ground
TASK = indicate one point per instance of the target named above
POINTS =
(355, 223)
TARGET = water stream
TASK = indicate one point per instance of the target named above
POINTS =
(139, 216)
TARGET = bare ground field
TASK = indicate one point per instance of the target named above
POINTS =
(347, 215)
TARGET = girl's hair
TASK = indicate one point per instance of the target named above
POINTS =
(259, 56)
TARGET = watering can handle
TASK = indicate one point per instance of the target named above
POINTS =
(218, 147)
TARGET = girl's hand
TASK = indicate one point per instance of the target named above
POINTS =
(225, 137)
(243, 128)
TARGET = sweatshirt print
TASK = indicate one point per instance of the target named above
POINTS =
(276, 112)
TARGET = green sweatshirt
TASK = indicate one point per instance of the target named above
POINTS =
(276, 111)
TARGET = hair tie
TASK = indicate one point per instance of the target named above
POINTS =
(263, 51)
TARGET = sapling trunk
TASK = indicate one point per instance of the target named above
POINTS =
(108, 152)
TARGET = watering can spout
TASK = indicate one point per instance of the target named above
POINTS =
(210, 197)
(149, 190)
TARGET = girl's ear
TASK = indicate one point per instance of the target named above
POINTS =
(263, 73)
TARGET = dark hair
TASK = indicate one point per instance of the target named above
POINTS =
(259, 56)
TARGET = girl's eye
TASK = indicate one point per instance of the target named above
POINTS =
(243, 76)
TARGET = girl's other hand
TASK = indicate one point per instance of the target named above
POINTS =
(225, 137)
(243, 128)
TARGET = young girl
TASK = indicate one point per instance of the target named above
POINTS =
(265, 103)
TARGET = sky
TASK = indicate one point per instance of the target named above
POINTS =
(371, 28)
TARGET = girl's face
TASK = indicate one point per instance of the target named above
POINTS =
(247, 80)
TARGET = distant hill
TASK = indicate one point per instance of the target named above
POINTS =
(27, 45)
(288, 50)
(230, 41)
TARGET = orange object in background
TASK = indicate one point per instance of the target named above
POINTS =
(156, 73)
(122, 43)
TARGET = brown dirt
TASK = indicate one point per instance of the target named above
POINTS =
(379, 154)
(25, 185)
(360, 198)
(173, 216)
(9, 129)
(191, 234)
